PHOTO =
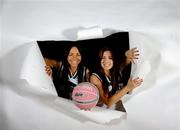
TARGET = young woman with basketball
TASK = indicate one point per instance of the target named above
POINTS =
(68, 73)
(108, 78)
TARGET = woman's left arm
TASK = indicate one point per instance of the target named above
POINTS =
(131, 55)
(132, 83)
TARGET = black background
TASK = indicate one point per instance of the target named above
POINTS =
(118, 42)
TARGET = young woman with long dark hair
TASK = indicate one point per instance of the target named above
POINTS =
(108, 78)
(69, 72)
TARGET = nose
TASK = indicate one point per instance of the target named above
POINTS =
(74, 57)
(106, 60)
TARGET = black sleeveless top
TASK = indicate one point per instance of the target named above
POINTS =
(64, 81)
(110, 89)
(107, 83)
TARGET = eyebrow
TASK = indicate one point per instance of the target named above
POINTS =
(74, 53)
(107, 56)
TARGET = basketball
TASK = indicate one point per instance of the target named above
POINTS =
(85, 95)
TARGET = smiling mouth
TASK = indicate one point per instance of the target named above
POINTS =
(74, 62)
(106, 65)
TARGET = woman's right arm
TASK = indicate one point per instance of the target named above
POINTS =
(97, 82)
(51, 63)
(131, 55)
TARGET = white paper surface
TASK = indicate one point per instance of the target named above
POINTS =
(26, 62)
(143, 69)
(154, 29)
(90, 33)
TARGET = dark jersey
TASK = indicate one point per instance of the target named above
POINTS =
(107, 83)
(110, 90)
(64, 81)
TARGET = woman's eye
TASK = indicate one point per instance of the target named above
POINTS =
(110, 57)
(74, 55)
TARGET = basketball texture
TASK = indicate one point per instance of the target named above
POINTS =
(85, 95)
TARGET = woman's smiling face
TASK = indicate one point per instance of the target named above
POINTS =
(74, 57)
(107, 61)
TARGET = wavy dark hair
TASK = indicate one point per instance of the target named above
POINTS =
(114, 71)
(67, 65)
(63, 87)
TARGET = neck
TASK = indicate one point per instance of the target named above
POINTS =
(73, 69)
(107, 72)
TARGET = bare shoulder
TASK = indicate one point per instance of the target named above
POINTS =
(52, 63)
(95, 80)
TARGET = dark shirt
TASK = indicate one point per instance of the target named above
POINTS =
(65, 82)
(110, 89)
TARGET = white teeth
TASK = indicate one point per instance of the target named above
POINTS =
(106, 65)
(74, 61)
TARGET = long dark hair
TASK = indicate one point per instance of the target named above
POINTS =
(67, 65)
(114, 71)
(63, 86)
